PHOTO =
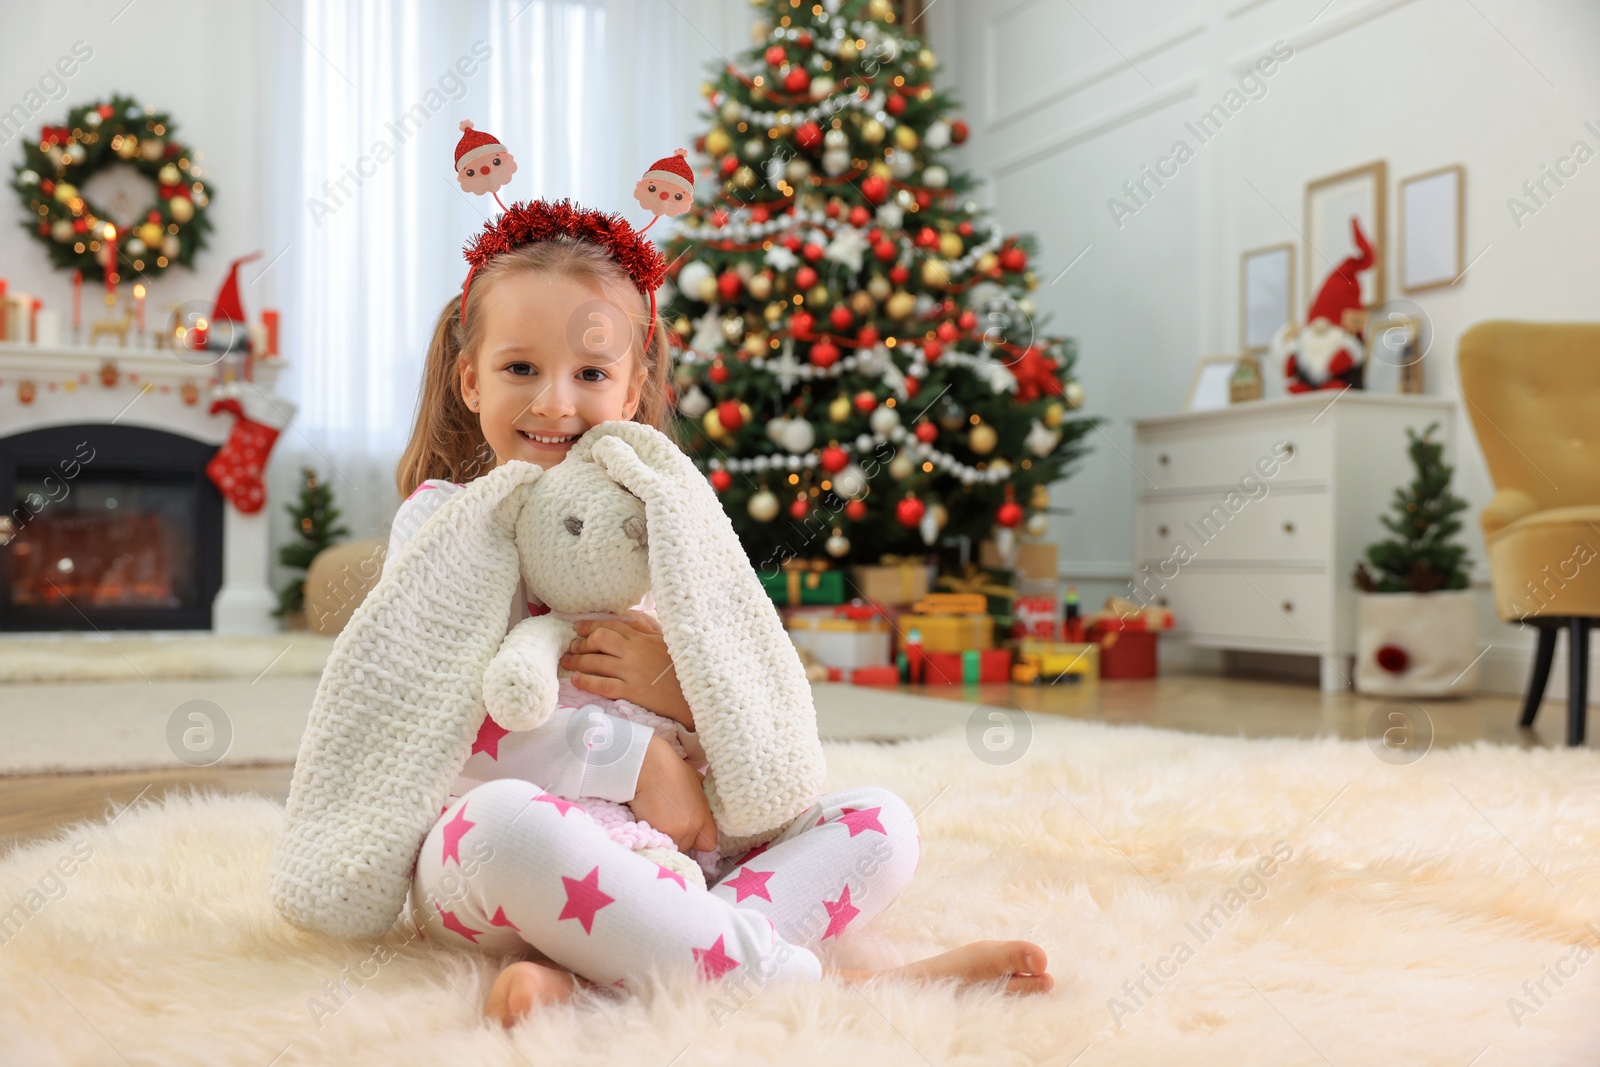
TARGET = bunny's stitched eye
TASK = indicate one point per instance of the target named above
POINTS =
(574, 525)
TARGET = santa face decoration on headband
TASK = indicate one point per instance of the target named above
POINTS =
(667, 188)
(483, 165)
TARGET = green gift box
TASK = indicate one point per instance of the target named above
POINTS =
(804, 582)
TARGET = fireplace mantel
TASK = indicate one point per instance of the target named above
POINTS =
(148, 391)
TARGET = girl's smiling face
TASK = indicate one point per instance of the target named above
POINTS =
(557, 357)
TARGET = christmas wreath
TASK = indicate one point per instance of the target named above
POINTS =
(96, 137)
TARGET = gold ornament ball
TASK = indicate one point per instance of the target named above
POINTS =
(127, 147)
(900, 467)
(706, 88)
(755, 344)
(711, 423)
(733, 327)
(150, 233)
(879, 287)
(684, 375)
(927, 59)
(987, 263)
(950, 246)
(905, 137)
(848, 50)
(900, 305)
(718, 142)
(181, 209)
(839, 409)
(62, 231)
(818, 295)
(760, 286)
(744, 178)
(169, 175)
(66, 193)
(1031, 280)
(941, 515)
(861, 302)
(880, 169)
(763, 506)
(872, 131)
(881, 10)
(730, 112)
(682, 326)
(935, 274)
(982, 439)
(1040, 498)
(1053, 414)
(1073, 392)
(708, 290)
(772, 312)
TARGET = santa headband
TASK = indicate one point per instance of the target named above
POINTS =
(484, 165)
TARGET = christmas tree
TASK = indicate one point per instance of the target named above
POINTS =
(1421, 559)
(859, 366)
(315, 529)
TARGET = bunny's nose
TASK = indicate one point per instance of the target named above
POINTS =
(634, 528)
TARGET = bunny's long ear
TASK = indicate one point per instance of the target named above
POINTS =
(739, 671)
(396, 712)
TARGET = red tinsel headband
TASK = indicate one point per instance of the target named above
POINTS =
(484, 165)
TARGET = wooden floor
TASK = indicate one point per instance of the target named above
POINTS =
(34, 805)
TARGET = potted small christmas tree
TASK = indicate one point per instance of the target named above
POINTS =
(1418, 631)
(315, 527)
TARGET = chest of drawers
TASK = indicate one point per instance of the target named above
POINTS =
(1248, 521)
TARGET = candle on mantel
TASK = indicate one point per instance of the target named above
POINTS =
(111, 258)
(138, 303)
(269, 319)
(3, 310)
(77, 304)
(34, 304)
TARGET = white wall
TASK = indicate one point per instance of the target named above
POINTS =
(1069, 100)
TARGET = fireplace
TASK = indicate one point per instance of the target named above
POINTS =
(109, 527)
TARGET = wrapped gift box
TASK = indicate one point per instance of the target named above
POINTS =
(1127, 648)
(967, 668)
(1056, 661)
(895, 580)
(996, 586)
(835, 639)
(949, 633)
(804, 583)
(1036, 617)
(1035, 559)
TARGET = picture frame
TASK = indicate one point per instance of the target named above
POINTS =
(1209, 386)
(1330, 204)
(1432, 228)
(1266, 295)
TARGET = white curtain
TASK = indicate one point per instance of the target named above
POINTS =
(366, 213)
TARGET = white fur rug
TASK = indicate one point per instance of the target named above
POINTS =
(144, 656)
(1439, 913)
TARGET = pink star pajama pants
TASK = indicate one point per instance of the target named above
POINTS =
(509, 866)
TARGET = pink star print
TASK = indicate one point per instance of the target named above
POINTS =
(862, 819)
(454, 830)
(671, 875)
(489, 735)
(563, 806)
(753, 853)
(501, 920)
(714, 962)
(453, 923)
(584, 899)
(750, 884)
(840, 912)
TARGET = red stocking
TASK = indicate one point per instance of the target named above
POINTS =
(236, 468)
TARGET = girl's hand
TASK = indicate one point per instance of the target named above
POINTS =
(670, 796)
(627, 660)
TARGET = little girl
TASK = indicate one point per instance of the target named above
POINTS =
(546, 343)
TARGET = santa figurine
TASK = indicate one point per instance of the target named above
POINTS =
(483, 165)
(1328, 353)
(667, 188)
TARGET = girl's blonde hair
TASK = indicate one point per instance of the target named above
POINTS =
(446, 440)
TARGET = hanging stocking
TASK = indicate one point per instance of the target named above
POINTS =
(237, 467)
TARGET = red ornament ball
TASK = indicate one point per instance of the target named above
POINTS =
(856, 510)
(808, 135)
(841, 318)
(1014, 259)
(899, 274)
(959, 131)
(859, 215)
(728, 285)
(759, 213)
(802, 323)
(913, 387)
(731, 417)
(932, 350)
(924, 199)
(1393, 659)
(834, 459)
(1010, 514)
(927, 237)
(813, 252)
(909, 511)
(718, 372)
(824, 353)
(895, 105)
(947, 331)
(885, 250)
(875, 189)
(832, 210)
(968, 320)
(797, 80)
(776, 56)
(805, 277)
(791, 241)
(927, 432)
(729, 164)
(965, 229)
(720, 480)
(798, 509)
(865, 401)
(868, 336)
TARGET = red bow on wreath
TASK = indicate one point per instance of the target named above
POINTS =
(1036, 375)
(54, 134)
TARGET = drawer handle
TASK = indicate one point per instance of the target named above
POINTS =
(1161, 531)
(1161, 601)
(1288, 606)
(1162, 459)
(1288, 447)
(1288, 527)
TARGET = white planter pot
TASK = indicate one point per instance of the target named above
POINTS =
(1417, 644)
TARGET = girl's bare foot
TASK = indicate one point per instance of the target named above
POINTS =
(1021, 963)
(525, 985)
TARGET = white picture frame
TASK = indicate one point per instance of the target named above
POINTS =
(1432, 228)
(1331, 202)
(1266, 295)
(1209, 385)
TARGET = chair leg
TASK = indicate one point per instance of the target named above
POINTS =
(1578, 686)
(1541, 673)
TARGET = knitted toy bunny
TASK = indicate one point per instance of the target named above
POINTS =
(426, 655)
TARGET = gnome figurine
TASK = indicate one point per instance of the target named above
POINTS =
(1328, 353)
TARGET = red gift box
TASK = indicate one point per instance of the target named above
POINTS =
(1035, 617)
(1126, 651)
(952, 668)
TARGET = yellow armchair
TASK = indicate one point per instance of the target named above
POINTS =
(1533, 395)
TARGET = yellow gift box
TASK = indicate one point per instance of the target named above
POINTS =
(950, 633)
(892, 580)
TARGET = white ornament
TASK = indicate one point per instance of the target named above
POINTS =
(937, 135)
(780, 259)
(693, 275)
(798, 436)
(1041, 440)
(838, 546)
(707, 337)
(1037, 525)
(901, 164)
(929, 527)
(884, 420)
(850, 482)
(836, 139)
(835, 161)
(776, 427)
(763, 506)
(891, 215)
(935, 177)
(694, 403)
(846, 248)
